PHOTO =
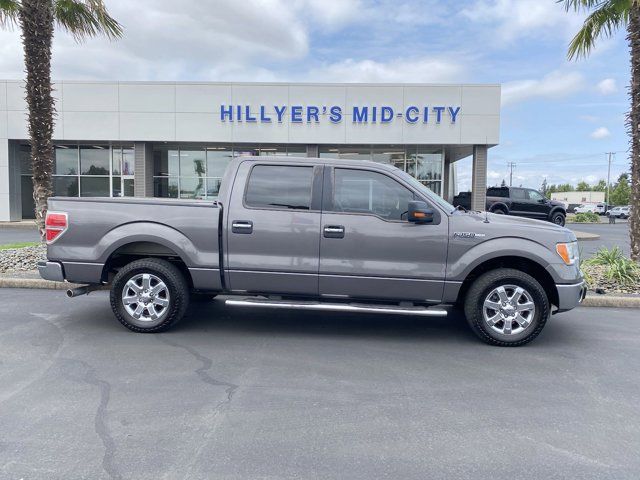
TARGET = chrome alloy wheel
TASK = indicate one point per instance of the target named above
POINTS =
(508, 309)
(145, 297)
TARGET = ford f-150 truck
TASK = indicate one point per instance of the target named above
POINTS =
(315, 234)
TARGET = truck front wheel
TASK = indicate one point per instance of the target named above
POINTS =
(558, 218)
(149, 295)
(506, 307)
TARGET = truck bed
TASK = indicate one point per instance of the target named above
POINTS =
(103, 228)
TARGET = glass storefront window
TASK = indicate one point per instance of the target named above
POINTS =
(192, 163)
(128, 161)
(94, 160)
(65, 186)
(217, 160)
(165, 187)
(66, 160)
(213, 187)
(192, 187)
(91, 186)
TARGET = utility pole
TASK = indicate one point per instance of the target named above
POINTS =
(607, 200)
(510, 165)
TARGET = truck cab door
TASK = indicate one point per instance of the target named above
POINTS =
(273, 228)
(537, 206)
(368, 249)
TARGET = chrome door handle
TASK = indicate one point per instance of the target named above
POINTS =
(242, 226)
(333, 231)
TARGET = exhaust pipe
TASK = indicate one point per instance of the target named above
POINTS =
(83, 290)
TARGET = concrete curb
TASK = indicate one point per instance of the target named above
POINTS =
(592, 299)
(30, 225)
(584, 236)
(615, 301)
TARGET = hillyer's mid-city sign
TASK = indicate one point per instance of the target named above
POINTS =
(335, 114)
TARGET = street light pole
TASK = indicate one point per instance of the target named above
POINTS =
(607, 199)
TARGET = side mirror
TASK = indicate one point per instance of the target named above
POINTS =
(419, 212)
(542, 200)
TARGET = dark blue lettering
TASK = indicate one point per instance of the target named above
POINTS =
(280, 112)
(335, 114)
(312, 112)
(425, 117)
(247, 114)
(263, 116)
(411, 118)
(360, 114)
(239, 110)
(296, 114)
(386, 114)
(454, 113)
(438, 111)
(224, 113)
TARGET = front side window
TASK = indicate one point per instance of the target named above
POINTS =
(362, 191)
(278, 186)
(535, 196)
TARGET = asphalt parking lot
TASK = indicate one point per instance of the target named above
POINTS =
(18, 234)
(252, 394)
(610, 236)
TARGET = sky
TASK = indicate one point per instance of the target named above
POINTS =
(558, 118)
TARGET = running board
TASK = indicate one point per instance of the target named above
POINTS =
(337, 307)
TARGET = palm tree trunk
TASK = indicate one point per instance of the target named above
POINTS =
(36, 20)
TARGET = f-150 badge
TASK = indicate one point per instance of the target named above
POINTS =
(467, 235)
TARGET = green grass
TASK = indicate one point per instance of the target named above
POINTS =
(13, 246)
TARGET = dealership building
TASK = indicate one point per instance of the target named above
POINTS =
(174, 139)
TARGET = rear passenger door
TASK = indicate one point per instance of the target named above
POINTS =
(368, 249)
(273, 228)
(519, 201)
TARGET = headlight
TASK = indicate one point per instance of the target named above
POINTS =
(568, 252)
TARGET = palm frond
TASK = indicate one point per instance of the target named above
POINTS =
(579, 5)
(86, 18)
(9, 12)
(602, 22)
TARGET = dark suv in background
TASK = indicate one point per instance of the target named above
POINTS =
(523, 202)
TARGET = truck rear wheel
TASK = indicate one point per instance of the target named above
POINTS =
(149, 295)
(506, 307)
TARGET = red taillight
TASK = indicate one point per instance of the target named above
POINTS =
(56, 224)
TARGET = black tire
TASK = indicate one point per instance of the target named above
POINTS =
(481, 290)
(176, 294)
(558, 218)
(499, 211)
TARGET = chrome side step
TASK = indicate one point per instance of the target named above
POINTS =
(337, 307)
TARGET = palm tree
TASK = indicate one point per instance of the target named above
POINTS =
(36, 18)
(604, 18)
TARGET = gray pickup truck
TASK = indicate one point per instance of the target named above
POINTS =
(316, 234)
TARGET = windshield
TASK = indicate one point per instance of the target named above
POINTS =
(427, 192)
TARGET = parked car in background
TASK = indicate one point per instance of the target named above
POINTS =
(620, 212)
(599, 208)
(518, 201)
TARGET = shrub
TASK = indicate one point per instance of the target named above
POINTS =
(620, 269)
(588, 217)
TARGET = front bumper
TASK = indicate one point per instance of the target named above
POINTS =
(570, 296)
(51, 271)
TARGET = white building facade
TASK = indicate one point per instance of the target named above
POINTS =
(174, 139)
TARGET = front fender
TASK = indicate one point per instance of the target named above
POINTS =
(464, 256)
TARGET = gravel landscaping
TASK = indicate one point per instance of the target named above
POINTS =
(597, 280)
(21, 259)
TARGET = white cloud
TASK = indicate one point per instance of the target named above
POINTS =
(600, 133)
(331, 13)
(190, 39)
(415, 70)
(607, 86)
(521, 18)
(553, 85)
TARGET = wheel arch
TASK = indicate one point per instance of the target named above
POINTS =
(499, 206)
(526, 265)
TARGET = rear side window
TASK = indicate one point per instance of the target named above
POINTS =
(280, 186)
(519, 194)
(361, 191)
(498, 192)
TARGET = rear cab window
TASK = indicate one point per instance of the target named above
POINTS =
(280, 186)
